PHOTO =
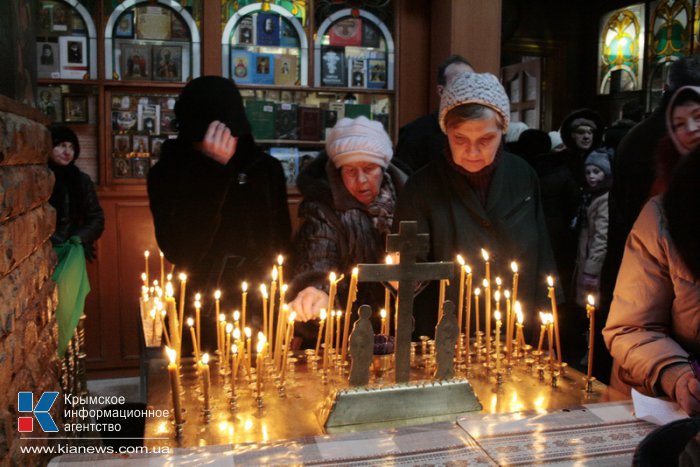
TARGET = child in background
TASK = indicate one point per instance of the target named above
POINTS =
(593, 236)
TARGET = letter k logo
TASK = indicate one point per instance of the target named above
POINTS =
(25, 403)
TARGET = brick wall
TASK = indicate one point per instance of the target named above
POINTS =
(28, 360)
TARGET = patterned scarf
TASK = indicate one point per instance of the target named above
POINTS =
(382, 208)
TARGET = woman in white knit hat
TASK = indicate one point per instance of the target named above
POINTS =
(349, 196)
(479, 196)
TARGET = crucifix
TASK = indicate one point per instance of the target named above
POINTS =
(409, 244)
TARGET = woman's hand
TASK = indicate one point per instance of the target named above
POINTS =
(687, 392)
(308, 303)
(218, 143)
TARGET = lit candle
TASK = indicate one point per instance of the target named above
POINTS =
(352, 296)
(234, 367)
(259, 368)
(519, 338)
(283, 292)
(543, 329)
(220, 333)
(387, 294)
(236, 319)
(338, 317)
(590, 311)
(162, 267)
(477, 292)
(204, 369)
(468, 311)
(498, 284)
(287, 339)
(195, 347)
(172, 319)
(183, 285)
(552, 297)
(320, 330)
(509, 325)
(197, 319)
(441, 298)
(161, 316)
(280, 262)
(144, 279)
(271, 311)
(497, 315)
(146, 254)
(460, 301)
(333, 283)
(152, 314)
(485, 255)
(514, 268)
(263, 294)
(249, 348)
(229, 330)
(244, 302)
(326, 340)
(550, 335)
(382, 314)
(281, 325)
(487, 314)
(174, 384)
(217, 298)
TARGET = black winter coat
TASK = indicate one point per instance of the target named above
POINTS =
(420, 141)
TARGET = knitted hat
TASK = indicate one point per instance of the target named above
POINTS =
(61, 134)
(682, 95)
(206, 99)
(600, 159)
(583, 122)
(515, 129)
(359, 140)
(555, 137)
(475, 88)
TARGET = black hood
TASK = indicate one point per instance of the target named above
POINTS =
(588, 114)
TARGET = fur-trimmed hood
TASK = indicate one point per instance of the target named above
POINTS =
(588, 114)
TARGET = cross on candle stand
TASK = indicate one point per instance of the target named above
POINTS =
(409, 244)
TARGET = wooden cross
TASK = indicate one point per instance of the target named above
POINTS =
(409, 243)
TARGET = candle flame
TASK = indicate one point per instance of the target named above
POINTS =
(160, 253)
(182, 277)
(197, 304)
(467, 269)
(485, 254)
(323, 314)
(143, 276)
(389, 259)
(284, 288)
(146, 253)
(274, 273)
(172, 355)
(229, 328)
(477, 291)
(260, 346)
(497, 315)
(382, 313)
(198, 296)
(244, 286)
(543, 317)
(497, 296)
(498, 281)
(190, 322)
(217, 294)
(263, 290)
(205, 359)
(234, 349)
(519, 312)
(159, 305)
(591, 300)
(460, 260)
(247, 332)
(506, 293)
(550, 281)
(169, 290)
(355, 271)
(169, 277)
(153, 313)
(280, 259)
(331, 276)
(485, 283)
(261, 337)
(236, 315)
(514, 267)
(236, 333)
(549, 318)
(222, 317)
(292, 316)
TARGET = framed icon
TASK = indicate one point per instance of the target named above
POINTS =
(75, 109)
(125, 25)
(167, 63)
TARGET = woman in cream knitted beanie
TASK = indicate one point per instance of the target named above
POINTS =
(349, 197)
(478, 196)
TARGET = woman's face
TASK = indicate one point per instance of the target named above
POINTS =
(583, 137)
(474, 143)
(62, 153)
(362, 180)
(685, 121)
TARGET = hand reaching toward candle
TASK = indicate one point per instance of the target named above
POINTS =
(687, 393)
(218, 144)
(308, 303)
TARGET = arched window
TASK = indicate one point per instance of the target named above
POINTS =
(621, 49)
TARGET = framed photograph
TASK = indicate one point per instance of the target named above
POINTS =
(47, 60)
(74, 56)
(75, 109)
(140, 144)
(166, 122)
(123, 121)
(246, 31)
(125, 25)
(167, 63)
(157, 146)
(140, 166)
(136, 61)
(121, 167)
(148, 118)
(50, 102)
(59, 21)
(122, 144)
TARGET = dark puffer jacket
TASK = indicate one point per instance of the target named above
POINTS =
(337, 231)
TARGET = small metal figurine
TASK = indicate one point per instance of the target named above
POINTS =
(361, 348)
(445, 341)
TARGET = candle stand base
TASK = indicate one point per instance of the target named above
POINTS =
(555, 378)
(499, 377)
(562, 367)
(282, 391)
(259, 402)
(589, 384)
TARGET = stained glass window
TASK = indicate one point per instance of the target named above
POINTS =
(297, 8)
(621, 48)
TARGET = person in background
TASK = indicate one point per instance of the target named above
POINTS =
(592, 246)
(219, 203)
(557, 142)
(421, 140)
(350, 193)
(78, 211)
(631, 113)
(582, 132)
(512, 138)
(478, 196)
(652, 327)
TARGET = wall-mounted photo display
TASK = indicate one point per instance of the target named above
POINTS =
(125, 26)
(48, 60)
(74, 57)
(121, 167)
(140, 144)
(167, 63)
(136, 61)
(122, 144)
(140, 166)
(75, 109)
(50, 102)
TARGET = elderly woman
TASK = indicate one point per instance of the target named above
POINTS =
(348, 208)
(653, 322)
(479, 196)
